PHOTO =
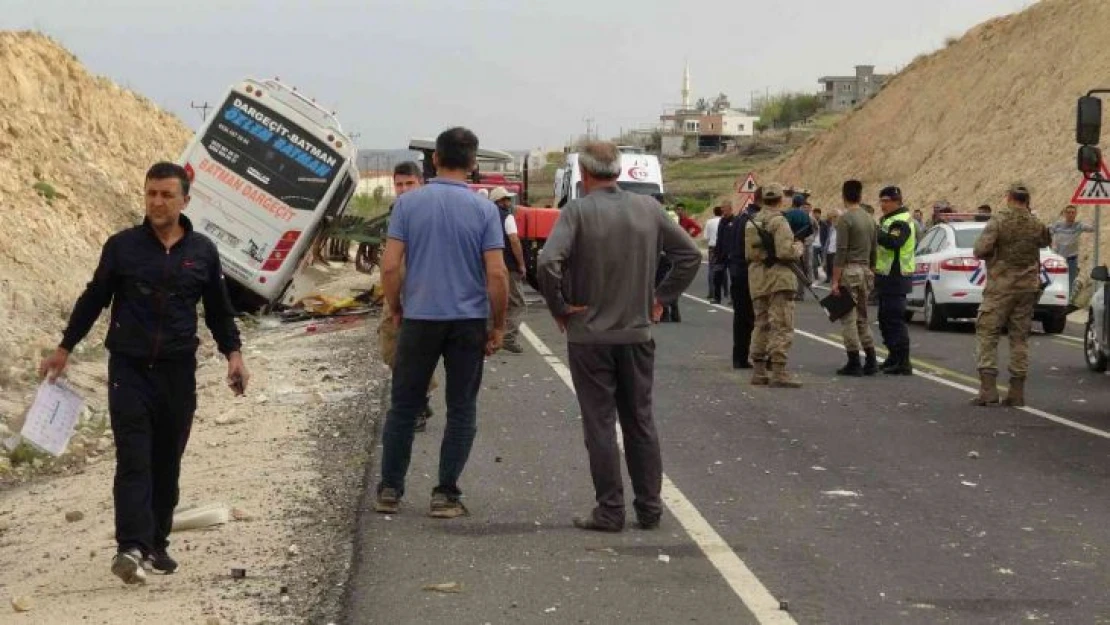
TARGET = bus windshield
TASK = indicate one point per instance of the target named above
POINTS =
(271, 152)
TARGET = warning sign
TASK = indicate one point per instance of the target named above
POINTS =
(743, 200)
(1091, 191)
(747, 186)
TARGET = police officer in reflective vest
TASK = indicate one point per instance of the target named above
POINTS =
(894, 278)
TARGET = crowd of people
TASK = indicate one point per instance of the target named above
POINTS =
(452, 274)
(768, 252)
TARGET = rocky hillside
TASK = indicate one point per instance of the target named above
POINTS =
(73, 150)
(994, 106)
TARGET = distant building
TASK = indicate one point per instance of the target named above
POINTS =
(841, 93)
(713, 130)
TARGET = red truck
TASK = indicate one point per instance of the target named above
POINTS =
(534, 224)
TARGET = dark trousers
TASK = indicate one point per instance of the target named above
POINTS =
(420, 344)
(670, 311)
(151, 409)
(719, 275)
(1073, 272)
(743, 317)
(613, 382)
(830, 262)
(892, 320)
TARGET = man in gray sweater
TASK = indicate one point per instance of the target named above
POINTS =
(597, 273)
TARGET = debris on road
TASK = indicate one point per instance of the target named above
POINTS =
(75, 516)
(969, 484)
(841, 493)
(200, 517)
(973, 455)
(449, 588)
(664, 558)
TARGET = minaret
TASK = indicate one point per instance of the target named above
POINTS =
(686, 104)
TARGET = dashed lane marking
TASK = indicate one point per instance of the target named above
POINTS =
(939, 380)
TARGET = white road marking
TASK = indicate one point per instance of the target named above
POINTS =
(932, 378)
(739, 577)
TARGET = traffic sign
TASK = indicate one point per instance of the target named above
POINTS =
(743, 200)
(748, 186)
(1092, 191)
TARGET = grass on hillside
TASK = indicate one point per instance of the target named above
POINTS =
(708, 178)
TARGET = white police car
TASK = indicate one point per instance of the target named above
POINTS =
(948, 280)
(1096, 349)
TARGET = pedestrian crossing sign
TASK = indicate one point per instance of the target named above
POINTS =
(1094, 190)
(748, 186)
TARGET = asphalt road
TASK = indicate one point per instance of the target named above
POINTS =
(850, 500)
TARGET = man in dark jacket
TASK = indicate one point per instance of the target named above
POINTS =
(743, 312)
(153, 276)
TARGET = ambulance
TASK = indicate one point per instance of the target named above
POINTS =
(640, 173)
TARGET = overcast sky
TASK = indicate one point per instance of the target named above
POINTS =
(521, 73)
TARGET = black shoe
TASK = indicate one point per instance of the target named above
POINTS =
(589, 524)
(902, 366)
(162, 562)
(853, 367)
(648, 524)
(513, 348)
(741, 365)
(870, 365)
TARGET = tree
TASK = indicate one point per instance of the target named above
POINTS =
(784, 110)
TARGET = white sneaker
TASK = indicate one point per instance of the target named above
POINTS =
(128, 566)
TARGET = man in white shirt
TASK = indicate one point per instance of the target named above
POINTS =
(514, 260)
(711, 228)
(718, 268)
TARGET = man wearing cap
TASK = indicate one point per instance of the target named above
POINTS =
(1011, 246)
(772, 283)
(514, 261)
(894, 267)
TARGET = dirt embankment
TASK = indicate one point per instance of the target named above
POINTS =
(995, 106)
(73, 151)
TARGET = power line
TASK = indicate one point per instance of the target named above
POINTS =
(202, 108)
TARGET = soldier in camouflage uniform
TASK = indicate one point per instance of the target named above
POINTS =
(772, 286)
(1010, 245)
(854, 272)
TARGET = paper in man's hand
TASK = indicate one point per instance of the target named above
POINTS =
(52, 417)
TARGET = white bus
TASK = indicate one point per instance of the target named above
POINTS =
(270, 168)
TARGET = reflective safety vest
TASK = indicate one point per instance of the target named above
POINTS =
(884, 257)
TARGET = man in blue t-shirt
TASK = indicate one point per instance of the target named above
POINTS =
(449, 241)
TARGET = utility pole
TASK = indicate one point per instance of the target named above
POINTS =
(203, 108)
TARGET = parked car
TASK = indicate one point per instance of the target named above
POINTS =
(948, 280)
(1096, 349)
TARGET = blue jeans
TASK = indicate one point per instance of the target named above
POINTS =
(419, 347)
(1073, 271)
